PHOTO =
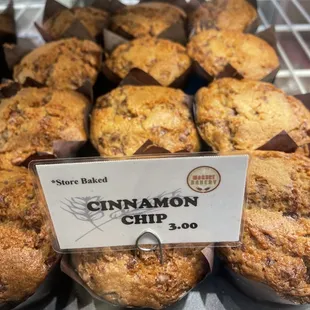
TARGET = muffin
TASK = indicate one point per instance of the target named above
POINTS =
(146, 19)
(34, 118)
(124, 279)
(235, 15)
(26, 254)
(275, 246)
(93, 19)
(244, 115)
(63, 64)
(123, 120)
(164, 60)
(252, 57)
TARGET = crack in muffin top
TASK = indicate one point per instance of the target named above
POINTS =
(63, 64)
(93, 19)
(251, 56)
(164, 60)
(234, 15)
(244, 115)
(123, 120)
(34, 118)
(146, 19)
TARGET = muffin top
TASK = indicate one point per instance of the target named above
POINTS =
(146, 19)
(251, 56)
(127, 117)
(234, 15)
(148, 283)
(164, 60)
(244, 115)
(93, 20)
(275, 246)
(63, 64)
(34, 118)
(26, 254)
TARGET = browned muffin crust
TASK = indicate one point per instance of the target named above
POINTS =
(63, 64)
(123, 120)
(164, 60)
(276, 239)
(93, 19)
(26, 254)
(251, 56)
(234, 15)
(141, 281)
(244, 115)
(33, 119)
(146, 19)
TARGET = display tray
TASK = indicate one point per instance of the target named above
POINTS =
(292, 24)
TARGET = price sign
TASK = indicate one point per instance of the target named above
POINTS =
(109, 203)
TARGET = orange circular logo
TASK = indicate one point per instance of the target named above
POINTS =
(204, 179)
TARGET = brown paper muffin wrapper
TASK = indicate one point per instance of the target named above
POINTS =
(76, 29)
(67, 267)
(111, 41)
(251, 28)
(7, 35)
(267, 35)
(7, 25)
(260, 291)
(282, 142)
(42, 292)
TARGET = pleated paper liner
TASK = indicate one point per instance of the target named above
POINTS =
(262, 292)
(44, 290)
(68, 267)
(59, 148)
(207, 24)
(7, 25)
(7, 35)
(76, 29)
(112, 40)
(267, 35)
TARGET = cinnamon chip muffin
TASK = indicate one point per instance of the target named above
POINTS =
(164, 60)
(275, 246)
(146, 19)
(26, 254)
(93, 19)
(63, 64)
(123, 120)
(234, 15)
(251, 56)
(244, 115)
(33, 119)
(124, 279)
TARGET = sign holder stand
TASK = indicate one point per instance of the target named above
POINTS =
(153, 248)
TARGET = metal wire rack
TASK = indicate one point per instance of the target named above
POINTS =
(290, 17)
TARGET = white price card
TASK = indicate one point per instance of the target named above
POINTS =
(110, 203)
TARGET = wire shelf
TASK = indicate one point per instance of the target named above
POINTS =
(290, 17)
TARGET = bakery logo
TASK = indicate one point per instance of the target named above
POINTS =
(204, 179)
